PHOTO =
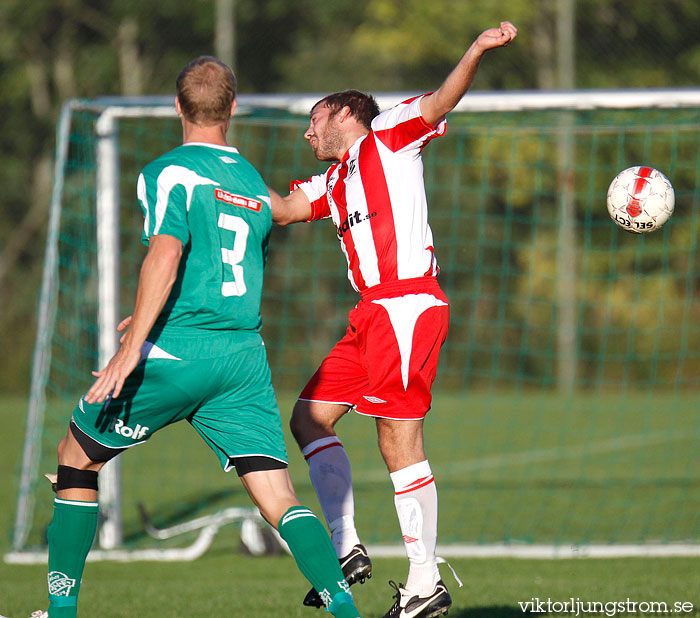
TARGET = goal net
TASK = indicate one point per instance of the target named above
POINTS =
(567, 406)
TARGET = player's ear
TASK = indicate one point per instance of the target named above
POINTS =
(178, 107)
(344, 114)
(234, 104)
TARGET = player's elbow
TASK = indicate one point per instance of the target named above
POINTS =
(172, 260)
(171, 255)
(282, 218)
(164, 257)
(288, 213)
(280, 209)
(293, 208)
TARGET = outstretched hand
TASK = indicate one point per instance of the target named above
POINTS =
(110, 380)
(435, 106)
(496, 37)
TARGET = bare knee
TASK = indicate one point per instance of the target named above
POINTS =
(61, 449)
(301, 421)
(70, 453)
(312, 420)
(272, 492)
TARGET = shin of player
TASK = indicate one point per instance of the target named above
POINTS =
(72, 529)
(415, 497)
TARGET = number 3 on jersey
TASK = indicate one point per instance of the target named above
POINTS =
(234, 256)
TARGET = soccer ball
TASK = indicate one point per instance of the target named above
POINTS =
(640, 199)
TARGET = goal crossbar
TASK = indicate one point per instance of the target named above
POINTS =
(479, 101)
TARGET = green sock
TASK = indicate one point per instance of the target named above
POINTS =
(70, 535)
(313, 551)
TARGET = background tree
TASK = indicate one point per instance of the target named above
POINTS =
(54, 50)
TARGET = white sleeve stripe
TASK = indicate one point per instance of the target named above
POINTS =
(168, 179)
(142, 196)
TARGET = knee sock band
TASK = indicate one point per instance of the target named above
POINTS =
(73, 478)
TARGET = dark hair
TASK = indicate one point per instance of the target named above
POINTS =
(362, 106)
(206, 88)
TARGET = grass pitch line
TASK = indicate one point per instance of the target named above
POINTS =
(612, 445)
(574, 451)
(549, 552)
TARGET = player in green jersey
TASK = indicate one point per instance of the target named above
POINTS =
(192, 349)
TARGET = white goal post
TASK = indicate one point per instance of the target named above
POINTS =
(109, 111)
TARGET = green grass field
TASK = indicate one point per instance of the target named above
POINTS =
(510, 467)
(518, 465)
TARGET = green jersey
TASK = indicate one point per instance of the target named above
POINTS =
(215, 202)
(204, 360)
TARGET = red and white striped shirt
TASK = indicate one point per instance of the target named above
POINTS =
(376, 198)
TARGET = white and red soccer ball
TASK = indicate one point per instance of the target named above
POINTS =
(640, 199)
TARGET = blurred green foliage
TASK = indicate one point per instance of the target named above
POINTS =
(54, 50)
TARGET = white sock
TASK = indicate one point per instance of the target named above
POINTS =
(329, 469)
(417, 507)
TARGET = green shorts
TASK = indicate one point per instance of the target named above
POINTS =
(221, 386)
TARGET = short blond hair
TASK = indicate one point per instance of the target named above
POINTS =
(206, 88)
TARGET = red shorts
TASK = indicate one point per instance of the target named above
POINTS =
(386, 362)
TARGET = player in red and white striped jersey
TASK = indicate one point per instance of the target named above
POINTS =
(385, 365)
(376, 197)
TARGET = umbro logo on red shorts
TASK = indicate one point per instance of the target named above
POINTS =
(373, 399)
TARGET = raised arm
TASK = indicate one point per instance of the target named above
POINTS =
(291, 209)
(435, 106)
